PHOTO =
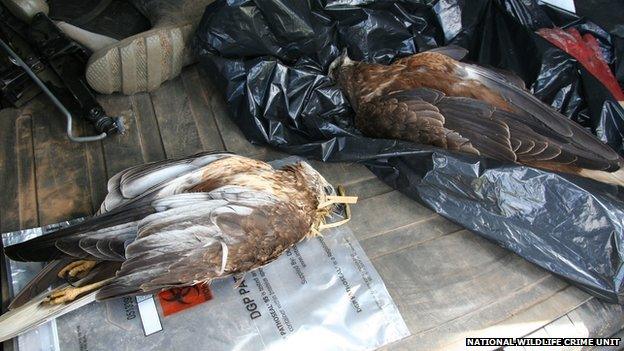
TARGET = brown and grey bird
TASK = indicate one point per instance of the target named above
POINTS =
(432, 98)
(174, 223)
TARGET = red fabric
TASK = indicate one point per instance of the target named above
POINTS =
(587, 51)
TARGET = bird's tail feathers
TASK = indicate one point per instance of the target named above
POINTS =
(35, 313)
(27, 313)
(46, 278)
(615, 178)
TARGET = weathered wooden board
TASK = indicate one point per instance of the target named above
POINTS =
(12, 184)
(147, 125)
(175, 119)
(60, 167)
(123, 151)
(96, 172)
(200, 108)
(18, 203)
(27, 196)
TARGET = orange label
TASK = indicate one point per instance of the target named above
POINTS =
(178, 299)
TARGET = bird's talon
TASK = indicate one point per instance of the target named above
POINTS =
(76, 269)
(69, 294)
(61, 296)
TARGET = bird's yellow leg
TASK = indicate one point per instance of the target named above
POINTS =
(79, 267)
(70, 293)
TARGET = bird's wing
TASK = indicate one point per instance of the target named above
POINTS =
(427, 116)
(186, 241)
(468, 80)
(110, 243)
(104, 237)
(231, 230)
(135, 181)
(413, 115)
(112, 225)
(539, 116)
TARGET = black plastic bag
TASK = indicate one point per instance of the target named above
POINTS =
(271, 59)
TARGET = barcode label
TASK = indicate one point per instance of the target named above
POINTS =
(149, 314)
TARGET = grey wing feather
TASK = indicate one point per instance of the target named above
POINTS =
(93, 245)
(109, 243)
(184, 244)
(117, 209)
(135, 181)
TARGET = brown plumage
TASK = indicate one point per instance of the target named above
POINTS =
(431, 98)
(181, 222)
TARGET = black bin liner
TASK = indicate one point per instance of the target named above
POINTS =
(270, 57)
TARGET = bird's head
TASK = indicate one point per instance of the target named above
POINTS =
(342, 61)
(328, 201)
(340, 71)
(315, 181)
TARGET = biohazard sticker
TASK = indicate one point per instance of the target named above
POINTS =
(179, 299)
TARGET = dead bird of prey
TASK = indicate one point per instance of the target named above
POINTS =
(175, 223)
(431, 98)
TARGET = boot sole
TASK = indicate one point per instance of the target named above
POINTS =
(142, 62)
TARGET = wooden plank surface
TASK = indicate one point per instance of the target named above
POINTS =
(26, 188)
(177, 126)
(232, 137)
(123, 151)
(96, 171)
(447, 282)
(9, 213)
(18, 203)
(200, 108)
(60, 167)
(150, 140)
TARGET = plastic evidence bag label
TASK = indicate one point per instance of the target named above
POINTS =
(323, 292)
